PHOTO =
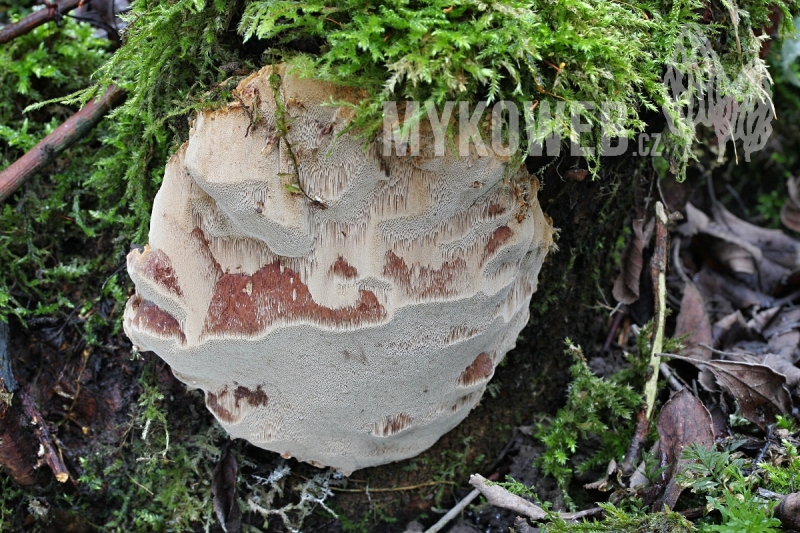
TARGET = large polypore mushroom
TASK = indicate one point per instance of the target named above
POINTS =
(348, 334)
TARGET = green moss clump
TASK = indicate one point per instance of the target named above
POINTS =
(595, 408)
(557, 52)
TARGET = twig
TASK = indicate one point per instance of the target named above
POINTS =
(452, 513)
(62, 138)
(396, 489)
(51, 456)
(34, 20)
(500, 497)
(472, 495)
(611, 332)
(658, 271)
(673, 383)
(764, 493)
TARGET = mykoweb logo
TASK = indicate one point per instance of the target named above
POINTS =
(698, 90)
(737, 109)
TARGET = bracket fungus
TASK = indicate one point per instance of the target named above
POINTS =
(350, 330)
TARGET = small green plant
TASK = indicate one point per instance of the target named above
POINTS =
(155, 482)
(719, 476)
(10, 497)
(596, 408)
(784, 475)
(769, 207)
(619, 520)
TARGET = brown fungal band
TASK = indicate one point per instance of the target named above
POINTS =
(351, 330)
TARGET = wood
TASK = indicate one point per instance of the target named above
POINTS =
(37, 18)
(45, 152)
(17, 443)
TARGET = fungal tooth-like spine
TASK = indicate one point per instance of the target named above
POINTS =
(348, 334)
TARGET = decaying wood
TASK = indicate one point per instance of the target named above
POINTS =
(788, 512)
(37, 18)
(75, 128)
(5, 360)
(17, 443)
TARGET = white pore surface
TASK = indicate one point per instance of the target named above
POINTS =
(347, 336)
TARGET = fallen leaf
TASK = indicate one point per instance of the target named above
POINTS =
(699, 222)
(784, 367)
(719, 422)
(684, 420)
(693, 321)
(223, 490)
(729, 330)
(774, 244)
(762, 319)
(711, 282)
(736, 259)
(785, 344)
(785, 321)
(626, 286)
(790, 212)
(759, 390)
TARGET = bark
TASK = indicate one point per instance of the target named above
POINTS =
(37, 18)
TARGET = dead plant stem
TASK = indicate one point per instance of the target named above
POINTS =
(659, 273)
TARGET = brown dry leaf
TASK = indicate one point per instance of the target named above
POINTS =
(736, 259)
(790, 216)
(785, 321)
(223, 489)
(711, 282)
(699, 222)
(790, 212)
(759, 390)
(773, 244)
(785, 344)
(693, 321)
(762, 319)
(784, 367)
(794, 191)
(683, 420)
(626, 287)
(729, 330)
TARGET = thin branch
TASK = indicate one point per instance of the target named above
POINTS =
(37, 18)
(452, 513)
(51, 456)
(500, 497)
(67, 134)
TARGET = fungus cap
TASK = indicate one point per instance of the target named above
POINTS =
(348, 334)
